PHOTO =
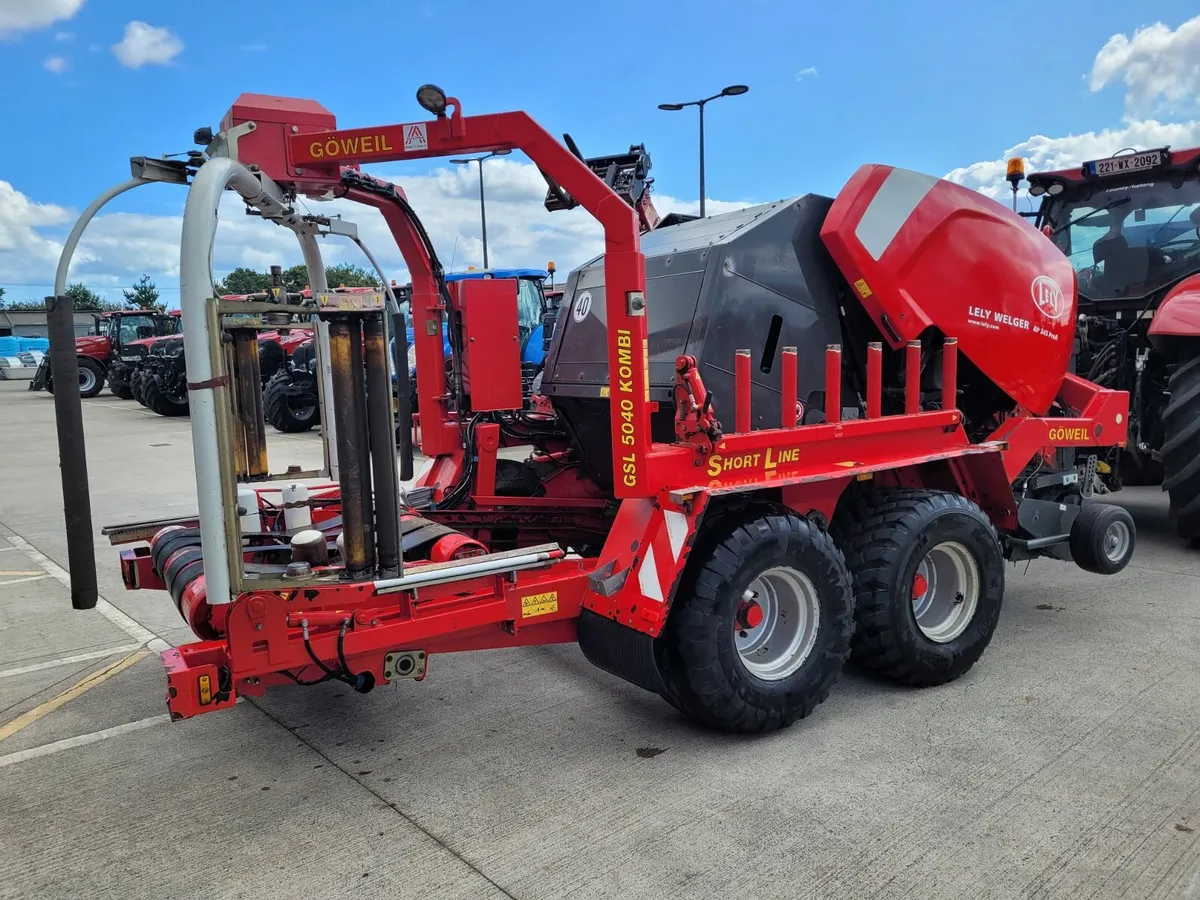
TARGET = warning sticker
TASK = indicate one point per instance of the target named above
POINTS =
(539, 605)
(605, 391)
(863, 290)
(415, 137)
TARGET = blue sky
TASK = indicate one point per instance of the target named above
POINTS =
(930, 85)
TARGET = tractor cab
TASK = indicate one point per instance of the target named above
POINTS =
(1129, 224)
(123, 328)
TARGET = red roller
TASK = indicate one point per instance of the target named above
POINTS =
(912, 378)
(833, 383)
(950, 373)
(874, 380)
(788, 387)
(741, 382)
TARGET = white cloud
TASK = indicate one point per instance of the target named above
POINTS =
(118, 247)
(146, 45)
(808, 72)
(56, 64)
(1043, 153)
(17, 16)
(64, 36)
(1156, 64)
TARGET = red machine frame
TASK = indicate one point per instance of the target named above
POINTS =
(277, 637)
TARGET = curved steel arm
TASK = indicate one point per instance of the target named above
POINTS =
(68, 251)
(195, 292)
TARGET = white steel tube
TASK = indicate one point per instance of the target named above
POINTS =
(68, 251)
(195, 290)
(419, 578)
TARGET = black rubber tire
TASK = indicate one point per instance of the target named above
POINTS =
(703, 673)
(120, 389)
(157, 401)
(1181, 448)
(884, 546)
(1088, 533)
(98, 376)
(137, 385)
(279, 411)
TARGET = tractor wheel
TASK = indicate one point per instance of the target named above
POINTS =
(760, 627)
(1181, 448)
(137, 384)
(928, 581)
(118, 383)
(91, 377)
(158, 401)
(282, 410)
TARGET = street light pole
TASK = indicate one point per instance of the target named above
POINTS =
(482, 205)
(732, 91)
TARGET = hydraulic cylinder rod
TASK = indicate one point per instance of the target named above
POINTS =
(383, 446)
(350, 453)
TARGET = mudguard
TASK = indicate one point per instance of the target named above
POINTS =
(1179, 313)
(922, 252)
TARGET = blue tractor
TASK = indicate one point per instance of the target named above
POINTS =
(290, 397)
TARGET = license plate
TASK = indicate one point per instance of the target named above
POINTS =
(1117, 165)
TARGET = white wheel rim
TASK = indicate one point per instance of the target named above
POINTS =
(87, 379)
(945, 592)
(1116, 541)
(779, 642)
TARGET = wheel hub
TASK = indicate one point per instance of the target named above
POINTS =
(945, 592)
(776, 623)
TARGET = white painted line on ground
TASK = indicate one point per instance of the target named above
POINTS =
(23, 580)
(6, 549)
(68, 660)
(138, 632)
(82, 740)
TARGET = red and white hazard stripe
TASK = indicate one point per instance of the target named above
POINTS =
(660, 566)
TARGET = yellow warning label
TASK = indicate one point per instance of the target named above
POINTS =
(604, 392)
(863, 289)
(539, 605)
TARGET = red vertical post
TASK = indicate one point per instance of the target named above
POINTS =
(874, 380)
(741, 390)
(833, 383)
(912, 378)
(950, 373)
(787, 374)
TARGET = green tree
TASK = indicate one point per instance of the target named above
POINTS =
(350, 275)
(143, 295)
(295, 278)
(83, 297)
(1, 298)
(243, 280)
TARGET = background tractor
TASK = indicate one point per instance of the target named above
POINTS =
(1130, 226)
(114, 332)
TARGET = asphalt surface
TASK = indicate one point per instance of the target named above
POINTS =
(1065, 765)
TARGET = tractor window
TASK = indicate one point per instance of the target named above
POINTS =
(529, 304)
(129, 326)
(1130, 241)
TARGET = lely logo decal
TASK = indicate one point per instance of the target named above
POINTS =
(1048, 296)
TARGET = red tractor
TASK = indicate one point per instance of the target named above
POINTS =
(116, 334)
(772, 441)
(1130, 226)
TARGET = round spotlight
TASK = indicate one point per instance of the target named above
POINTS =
(1055, 189)
(432, 98)
(734, 89)
(501, 152)
(670, 107)
(1037, 190)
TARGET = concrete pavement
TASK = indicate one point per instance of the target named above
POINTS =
(1066, 764)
